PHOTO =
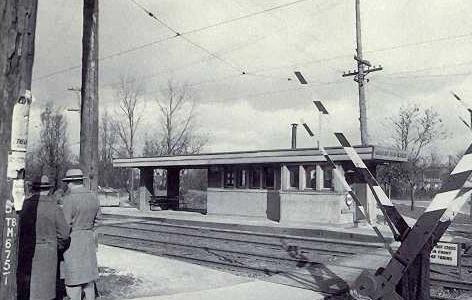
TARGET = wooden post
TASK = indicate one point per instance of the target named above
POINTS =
(89, 95)
(415, 283)
(146, 188)
(360, 77)
(17, 31)
(173, 183)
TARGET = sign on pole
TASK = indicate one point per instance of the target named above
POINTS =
(446, 254)
(15, 174)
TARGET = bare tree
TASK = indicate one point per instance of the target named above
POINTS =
(108, 143)
(178, 131)
(128, 119)
(414, 130)
(53, 152)
(178, 126)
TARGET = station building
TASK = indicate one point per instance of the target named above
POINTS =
(289, 185)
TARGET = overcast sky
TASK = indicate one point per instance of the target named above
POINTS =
(424, 46)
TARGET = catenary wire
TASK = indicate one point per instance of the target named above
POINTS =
(167, 38)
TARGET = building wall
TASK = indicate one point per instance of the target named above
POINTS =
(243, 202)
(313, 207)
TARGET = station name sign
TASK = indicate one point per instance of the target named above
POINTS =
(389, 154)
(445, 254)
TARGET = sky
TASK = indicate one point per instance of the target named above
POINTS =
(423, 46)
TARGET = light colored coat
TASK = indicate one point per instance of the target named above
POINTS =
(42, 224)
(81, 210)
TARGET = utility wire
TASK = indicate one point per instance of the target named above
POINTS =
(247, 16)
(204, 49)
(164, 39)
(446, 66)
(377, 86)
(419, 43)
(178, 34)
(426, 76)
(394, 47)
(102, 58)
(192, 63)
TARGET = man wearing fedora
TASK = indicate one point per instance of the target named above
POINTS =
(43, 229)
(81, 210)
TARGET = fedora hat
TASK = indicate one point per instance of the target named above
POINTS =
(73, 175)
(41, 182)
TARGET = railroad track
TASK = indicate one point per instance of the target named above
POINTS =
(285, 259)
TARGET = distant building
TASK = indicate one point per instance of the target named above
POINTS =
(432, 178)
(290, 185)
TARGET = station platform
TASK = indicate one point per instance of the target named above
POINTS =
(347, 231)
(160, 278)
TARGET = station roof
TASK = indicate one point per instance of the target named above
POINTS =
(370, 153)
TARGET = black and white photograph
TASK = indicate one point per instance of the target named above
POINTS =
(235, 149)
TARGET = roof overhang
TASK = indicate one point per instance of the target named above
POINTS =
(304, 155)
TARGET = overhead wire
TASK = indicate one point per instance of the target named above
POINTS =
(280, 91)
(206, 50)
(383, 49)
(167, 38)
(376, 85)
(224, 22)
(429, 76)
(102, 58)
(178, 34)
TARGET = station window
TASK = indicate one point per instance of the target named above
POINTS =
(269, 174)
(255, 178)
(214, 177)
(327, 177)
(229, 177)
(310, 172)
(293, 172)
(242, 178)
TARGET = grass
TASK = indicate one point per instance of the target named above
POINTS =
(111, 285)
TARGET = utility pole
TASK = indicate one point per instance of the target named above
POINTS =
(359, 77)
(89, 95)
(17, 31)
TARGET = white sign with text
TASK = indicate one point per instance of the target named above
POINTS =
(445, 254)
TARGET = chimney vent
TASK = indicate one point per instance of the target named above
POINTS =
(294, 135)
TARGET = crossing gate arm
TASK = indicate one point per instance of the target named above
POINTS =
(429, 227)
(347, 188)
(397, 224)
(395, 221)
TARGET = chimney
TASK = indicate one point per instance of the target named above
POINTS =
(294, 135)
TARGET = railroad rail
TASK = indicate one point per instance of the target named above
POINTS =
(298, 261)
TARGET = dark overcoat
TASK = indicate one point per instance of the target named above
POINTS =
(81, 210)
(42, 224)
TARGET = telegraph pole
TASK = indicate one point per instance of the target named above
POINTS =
(89, 95)
(17, 31)
(359, 77)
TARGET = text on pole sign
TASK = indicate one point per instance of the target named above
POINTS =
(10, 232)
(445, 254)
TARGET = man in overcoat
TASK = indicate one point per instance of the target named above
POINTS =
(81, 211)
(42, 229)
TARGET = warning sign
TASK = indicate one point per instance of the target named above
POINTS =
(445, 254)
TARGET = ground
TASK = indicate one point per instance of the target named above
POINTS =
(129, 274)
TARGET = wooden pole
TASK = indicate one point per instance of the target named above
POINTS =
(360, 79)
(17, 33)
(89, 95)
(415, 283)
